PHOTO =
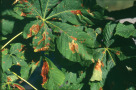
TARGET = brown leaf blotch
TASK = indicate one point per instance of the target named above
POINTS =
(98, 65)
(81, 41)
(102, 64)
(38, 17)
(49, 9)
(47, 33)
(100, 88)
(103, 52)
(44, 37)
(49, 38)
(46, 47)
(54, 18)
(76, 25)
(88, 10)
(23, 14)
(2, 50)
(37, 63)
(9, 79)
(34, 47)
(35, 29)
(35, 37)
(73, 38)
(76, 12)
(118, 53)
(100, 46)
(44, 71)
(73, 47)
(22, 46)
(20, 49)
(82, 72)
(18, 64)
(19, 87)
(22, 1)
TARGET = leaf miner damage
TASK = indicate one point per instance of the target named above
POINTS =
(73, 47)
(34, 28)
(44, 71)
(76, 12)
(98, 66)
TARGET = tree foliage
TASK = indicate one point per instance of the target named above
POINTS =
(86, 46)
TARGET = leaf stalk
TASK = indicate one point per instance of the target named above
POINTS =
(11, 40)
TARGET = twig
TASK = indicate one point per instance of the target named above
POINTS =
(11, 40)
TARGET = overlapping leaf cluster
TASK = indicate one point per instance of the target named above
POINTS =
(69, 27)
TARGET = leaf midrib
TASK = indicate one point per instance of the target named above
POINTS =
(61, 13)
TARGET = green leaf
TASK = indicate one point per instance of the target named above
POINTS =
(95, 86)
(33, 67)
(115, 5)
(12, 13)
(72, 81)
(70, 43)
(108, 33)
(25, 72)
(13, 56)
(16, 48)
(12, 77)
(47, 5)
(125, 30)
(31, 29)
(7, 29)
(17, 53)
(97, 76)
(3, 77)
(55, 76)
(67, 10)
(131, 88)
(3, 38)
(33, 10)
(98, 30)
(6, 60)
(100, 71)
(43, 37)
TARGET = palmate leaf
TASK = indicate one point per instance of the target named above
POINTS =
(107, 56)
(13, 56)
(46, 18)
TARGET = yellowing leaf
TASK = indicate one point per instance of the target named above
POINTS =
(97, 73)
